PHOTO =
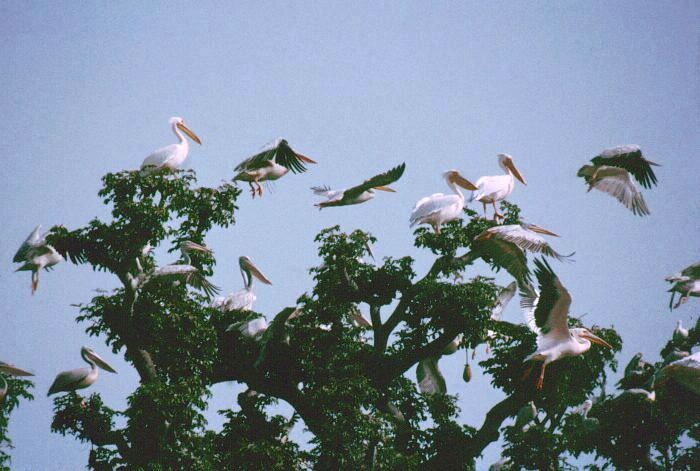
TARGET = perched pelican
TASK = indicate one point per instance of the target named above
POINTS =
(637, 373)
(36, 254)
(430, 378)
(547, 315)
(648, 396)
(360, 193)
(242, 300)
(10, 370)
(526, 414)
(271, 163)
(253, 329)
(612, 173)
(172, 156)
(497, 188)
(685, 371)
(439, 208)
(525, 236)
(80, 378)
(584, 408)
(185, 271)
(679, 333)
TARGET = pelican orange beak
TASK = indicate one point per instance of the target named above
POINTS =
(255, 272)
(304, 158)
(13, 370)
(100, 362)
(463, 182)
(540, 230)
(508, 162)
(189, 245)
(385, 188)
(181, 126)
(595, 339)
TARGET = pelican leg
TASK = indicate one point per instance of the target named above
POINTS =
(540, 380)
(252, 189)
(35, 281)
(496, 214)
(436, 228)
(484, 205)
(260, 192)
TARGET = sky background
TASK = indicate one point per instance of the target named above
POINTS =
(88, 88)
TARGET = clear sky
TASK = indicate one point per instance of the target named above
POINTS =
(87, 88)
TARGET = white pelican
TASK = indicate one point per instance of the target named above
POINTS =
(584, 408)
(360, 193)
(685, 371)
(10, 370)
(253, 329)
(430, 378)
(686, 289)
(688, 273)
(680, 333)
(242, 300)
(439, 208)
(172, 156)
(502, 300)
(271, 163)
(498, 187)
(525, 236)
(612, 173)
(80, 378)
(185, 271)
(547, 315)
(526, 414)
(36, 254)
(648, 396)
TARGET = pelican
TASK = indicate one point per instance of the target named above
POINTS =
(242, 300)
(547, 315)
(648, 396)
(526, 414)
(637, 373)
(172, 156)
(430, 378)
(360, 193)
(688, 273)
(35, 254)
(497, 188)
(525, 236)
(686, 289)
(612, 173)
(184, 270)
(679, 333)
(271, 163)
(502, 300)
(439, 208)
(10, 370)
(685, 371)
(584, 408)
(80, 378)
(500, 253)
(253, 329)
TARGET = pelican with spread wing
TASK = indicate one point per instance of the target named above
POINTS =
(183, 270)
(360, 193)
(172, 156)
(80, 378)
(498, 187)
(686, 283)
(9, 370)
(242, 300)
(524, 235)
(35, 254)
(547, 314)
(437, 209)
(612, 172)
(271, 163)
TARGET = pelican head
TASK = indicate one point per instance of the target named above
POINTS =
(189, 246)
(91, 357)
(249, 269)
(178, 123)
(453, 177)
(538, 229)
(506, 163)
(585, 334)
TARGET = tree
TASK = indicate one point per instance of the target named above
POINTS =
(346, 380)
(17, 389)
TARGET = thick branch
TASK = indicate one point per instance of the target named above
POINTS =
(405, 360)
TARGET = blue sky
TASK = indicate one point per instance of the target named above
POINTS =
(88, 89)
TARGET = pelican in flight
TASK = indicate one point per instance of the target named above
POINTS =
(687, 283)
(547, 315)
(35, 254)
(360, 193)
(10, 370)
(524, 235)
(80, 378)
(685, 371)
(439, 208)
(271, 163)
(172, 156)
(430, 378)
(185, 271)
(242, 300)
(498, 187)
(612, 173)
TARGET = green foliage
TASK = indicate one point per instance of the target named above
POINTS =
(17, 389)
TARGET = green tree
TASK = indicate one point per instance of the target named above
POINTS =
(17, 389)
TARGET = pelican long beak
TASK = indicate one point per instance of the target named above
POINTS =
(189, 245)
(304, 158)
(101, 363)
(256, 273)
(187, 131)
(385, 188)
(463, 182)
(13, 370)
(508, 162)
(595, 339)
(542, 231)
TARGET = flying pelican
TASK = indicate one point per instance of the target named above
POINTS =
(547, 315)
(242, 300)
(36, 254)
(497, 188)
(688, 273)
(80, 378)
(612, 173)
(172, 156)
(686, 289)
(185, 271)
(360, 193)
(271, 163)
(11, 370)
(502, 300)
(430, 378)
(685, 371)
(499, 252)
(439, 208)
(525, 236)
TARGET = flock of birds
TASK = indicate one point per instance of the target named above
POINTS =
(546, 308)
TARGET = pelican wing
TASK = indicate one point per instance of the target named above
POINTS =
(190, 274)
(31, 243)
(200, 282)
(382, 179)
(502, 300)
(552, 306)
(617, 183)
(523, 238)
(502, 254)
(326, 191)
(429, 205)
(630, 158)
(280, 152)
(68, 380)
(430, 378)
(685, 371)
